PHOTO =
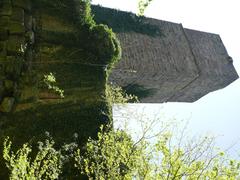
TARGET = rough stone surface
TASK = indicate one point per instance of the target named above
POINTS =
(216, 68)
(179, 65)
(7, 104)
(16, 38)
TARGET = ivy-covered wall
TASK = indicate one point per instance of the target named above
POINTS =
(58, 37)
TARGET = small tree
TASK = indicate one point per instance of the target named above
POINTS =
(116, 156)
(116, 95)
(142, 5)
(46, 165)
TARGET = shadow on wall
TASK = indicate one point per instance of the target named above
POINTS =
(121, 21)
(139, 91)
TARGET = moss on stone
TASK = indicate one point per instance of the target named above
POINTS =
(80, 54)
(7, 104)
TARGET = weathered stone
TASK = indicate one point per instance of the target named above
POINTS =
(1, 88)
(16, 27)
(9, 85)
(6, 10)
(3, 35)
(4, 21)
(2, 47)
(25, 4)
(28, 22)
(34, 24)
(29, 56)
(15, 45)
(18, 15)
(7, 104)
(13, 67)
(28, 94)
(179, 64)
(30, 37)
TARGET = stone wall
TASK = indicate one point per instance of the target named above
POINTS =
(216, 68)
(16, 51)
(178, 64)
(162, 64)
(50, 37)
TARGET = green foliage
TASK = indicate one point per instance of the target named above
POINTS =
(139, 90)
(84, 11)
(50, 82)
(114, 155)
(117, 95)
(104, 45)
(109, 157)
(142, 5)
(122, 22)
(47, 163)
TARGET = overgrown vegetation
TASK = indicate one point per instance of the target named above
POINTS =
(121, 21)
(142, 5)
(47, 164)
(139, 90)
(49, 81)
(116, 95)
(81, 53)
(114, 155)
(84, 146)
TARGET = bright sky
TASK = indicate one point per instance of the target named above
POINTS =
(217, 112)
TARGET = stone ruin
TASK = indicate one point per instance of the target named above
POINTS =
(161, 61)
(175, 65)
(169, 64)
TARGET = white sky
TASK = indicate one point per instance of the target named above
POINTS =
(217, 112)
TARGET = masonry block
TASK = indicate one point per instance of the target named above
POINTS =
(25, 4)
(28, 93)
(16, 27)
(9, 85)
(3, 35)
(18, 15)
(7, 104)
(28, 22)
(2, 46)
(30, 37)
(6, 10)
(4, 21)
(15, 45)
(13, 67)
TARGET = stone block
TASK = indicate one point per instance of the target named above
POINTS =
(6, 10)
(4, 21)
(2, 48)
(15, 45)
(16, 27)
(7, 104)
(30, 37)
(9, 85)
(3, 34)
(2, 70)
(29, 56)
(13, 67)
(28, 94)
(28, 22)
(1, 89)
(25, 4)
(34, 24)
(18, 15)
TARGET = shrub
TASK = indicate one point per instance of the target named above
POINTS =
(117, 95)
(114, 155)
(50, 81)
(47, 164)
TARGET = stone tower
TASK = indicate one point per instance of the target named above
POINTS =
(165, 62)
